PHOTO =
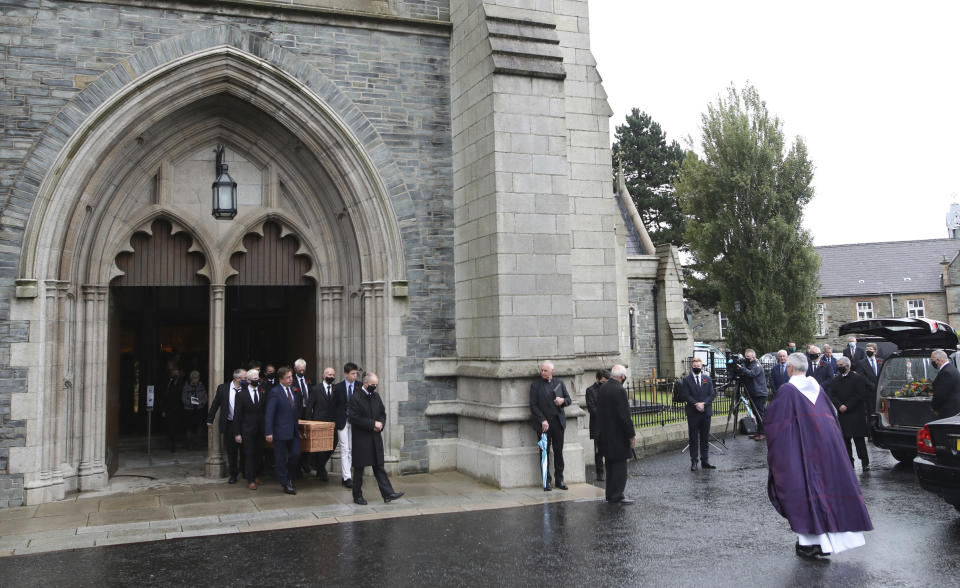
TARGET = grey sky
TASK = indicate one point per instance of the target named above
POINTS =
(872, 87)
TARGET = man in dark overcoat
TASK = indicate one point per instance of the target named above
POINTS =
(849, 395)
(368, 415)
(946, 386)
(591, 397)
(616, 433)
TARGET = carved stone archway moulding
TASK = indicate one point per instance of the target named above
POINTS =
(81, 219)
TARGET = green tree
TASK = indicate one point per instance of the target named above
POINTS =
(650, 168)
(744, 204)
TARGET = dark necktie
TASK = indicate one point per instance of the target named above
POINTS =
(289, 396)
(327, 386)
(256, 396)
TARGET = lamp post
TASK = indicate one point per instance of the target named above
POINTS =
(224, 190)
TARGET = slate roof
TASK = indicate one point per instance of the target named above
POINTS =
(633, 239)
(899, 267)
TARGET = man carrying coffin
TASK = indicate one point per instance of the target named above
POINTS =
(811, 482)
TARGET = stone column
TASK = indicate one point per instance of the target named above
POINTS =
(216, 465)
(93, 471)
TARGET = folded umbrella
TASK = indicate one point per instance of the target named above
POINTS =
(542, 444)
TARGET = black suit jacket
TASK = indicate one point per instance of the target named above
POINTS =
(855, 358)
(221, 402)
(866, 370)
(248, 416)
(306, 394)
(542, 394)
(778, 377)
(614, 425)
(322, 408)
(591, 397)
(365, 409)
(281, 419)
(851, 391)
(691, 394)
(946, 391)
(340, 401)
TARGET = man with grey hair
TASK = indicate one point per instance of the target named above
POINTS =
(548, 397)
(615, 433)
(811, 483)
(849, 395)
(946, 386)
(225, 401)
(303, 383)
(778, 373)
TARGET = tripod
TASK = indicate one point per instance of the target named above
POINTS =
(741, 398)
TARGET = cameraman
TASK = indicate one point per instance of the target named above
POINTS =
(755, 383)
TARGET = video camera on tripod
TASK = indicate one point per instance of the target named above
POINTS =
(735, 363)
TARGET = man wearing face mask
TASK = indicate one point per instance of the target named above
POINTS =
(946, 386)
(820, 369)
(367, 417)
(869, 368)
(697, 394)
(248, 426)
(755, 381)
(615, 433)
(853, 353)
(324, 408)
(791, 347)
(269, 377)
(848, 393)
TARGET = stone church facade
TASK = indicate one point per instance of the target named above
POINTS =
(424, 189)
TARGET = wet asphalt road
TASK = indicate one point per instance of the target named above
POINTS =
(705, 528)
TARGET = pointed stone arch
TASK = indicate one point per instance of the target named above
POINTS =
(269, 255)
(163, 254)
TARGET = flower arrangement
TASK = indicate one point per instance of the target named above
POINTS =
(922, 387)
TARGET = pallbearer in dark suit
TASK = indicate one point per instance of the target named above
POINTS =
(548, 397)
(249, 427)
(615, 432)
(869, 368)
(697, 393)
(367, 418)
(283, 410)
(225, 402)
(305, 385)
(323, 408)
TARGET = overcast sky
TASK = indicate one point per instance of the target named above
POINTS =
(872, 87)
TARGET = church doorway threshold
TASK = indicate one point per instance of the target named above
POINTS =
(158, 337)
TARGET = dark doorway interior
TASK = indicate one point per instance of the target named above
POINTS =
(271, 324)
(152, 328)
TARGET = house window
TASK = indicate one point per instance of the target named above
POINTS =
(821, 320)
(724, 323)
(915, 308)
(864, 310)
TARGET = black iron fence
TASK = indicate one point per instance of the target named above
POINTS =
(652, 402)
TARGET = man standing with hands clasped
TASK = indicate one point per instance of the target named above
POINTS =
(548, 397)
(697, 394)
(616, 433)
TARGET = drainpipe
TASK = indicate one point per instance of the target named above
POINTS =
(893, 311)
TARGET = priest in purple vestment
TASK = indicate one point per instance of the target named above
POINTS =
(811, 483)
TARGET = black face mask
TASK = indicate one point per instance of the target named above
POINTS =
(372, 388)
(841, 370)
(869, 352)
(791, 349)
(269, 375)
(254, 383)
(697, 370)
(814, 356)
(329, 380)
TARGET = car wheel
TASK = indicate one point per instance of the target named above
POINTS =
(903, 454)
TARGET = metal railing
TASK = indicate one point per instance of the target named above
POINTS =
(651, 402)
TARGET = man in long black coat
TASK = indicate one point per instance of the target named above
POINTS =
(249, 427)
(616, 433)
(591, 396)
(946, 386)
(367, 416)
(849, 395)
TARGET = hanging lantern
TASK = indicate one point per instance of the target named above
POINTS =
(224, 190)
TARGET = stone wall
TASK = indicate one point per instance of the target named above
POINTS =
(396, 73)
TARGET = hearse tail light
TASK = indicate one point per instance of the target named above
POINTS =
(925, 441)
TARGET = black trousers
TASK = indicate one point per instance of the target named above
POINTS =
(861, 444)
(616, 479)
(321, 458)
(760, 404)
(383, 482)
(286, 456)
(232, 449)
(252, 457)
(555, 440)
(597, 458)
(698, 428)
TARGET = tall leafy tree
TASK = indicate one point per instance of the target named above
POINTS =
(650, 168)
(743, 203)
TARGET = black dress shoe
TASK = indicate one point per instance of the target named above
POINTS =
(348, 483)
(393, 497)
(808, 551)
(561, 486)
(232, 480)
(289, 489)
(547, 488)
(360, 500)
(693, 467)
(708, 466)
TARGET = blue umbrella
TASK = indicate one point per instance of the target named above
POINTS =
(542, 444)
